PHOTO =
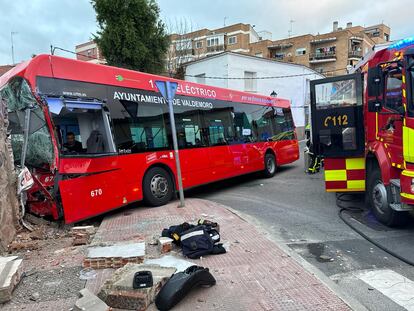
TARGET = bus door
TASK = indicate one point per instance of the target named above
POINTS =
(90, 180)
(338, 131)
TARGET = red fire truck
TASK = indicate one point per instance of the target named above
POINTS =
(97, 137)
(363, 127)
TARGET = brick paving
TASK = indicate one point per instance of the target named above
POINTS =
(255, 274)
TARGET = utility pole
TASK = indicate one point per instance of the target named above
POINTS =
(12, 45)
(291, 28)
(224, 23)
(168, 90)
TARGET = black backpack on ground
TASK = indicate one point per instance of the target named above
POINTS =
(174, 232)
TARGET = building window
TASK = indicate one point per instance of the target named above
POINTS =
(386, 37)
(201, 78)
(301, 51)
(279, 56)
(212, 42)
(232, 40)
(183, 45)
(250, 82)
(199, 44)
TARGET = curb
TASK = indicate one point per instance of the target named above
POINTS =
(350, 301)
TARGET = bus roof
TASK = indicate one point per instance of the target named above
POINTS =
(71, 69)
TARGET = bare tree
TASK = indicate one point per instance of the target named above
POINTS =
(182, 47)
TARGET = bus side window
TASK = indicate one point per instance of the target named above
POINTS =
(220, 126)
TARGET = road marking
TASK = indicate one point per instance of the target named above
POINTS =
(393, 285)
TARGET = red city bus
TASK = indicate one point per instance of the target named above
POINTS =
(96, 137)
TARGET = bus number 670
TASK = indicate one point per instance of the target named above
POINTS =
(96, 192)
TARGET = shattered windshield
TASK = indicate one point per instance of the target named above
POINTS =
(19, 99)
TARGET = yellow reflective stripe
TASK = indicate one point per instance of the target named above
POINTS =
(355, 184)
(355, 164)
(407, 195)
(408, 144)
(403, 79)
(345, 190)
(408, 173)
(335, 175)
(404, 94)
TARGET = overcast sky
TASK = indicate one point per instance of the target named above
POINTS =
(39, 23)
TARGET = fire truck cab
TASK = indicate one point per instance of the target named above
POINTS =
(363, 127)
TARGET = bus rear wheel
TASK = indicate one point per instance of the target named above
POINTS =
(157, 186)
(270, 165)
(380, 202)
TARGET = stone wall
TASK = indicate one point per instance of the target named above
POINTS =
(8, 199)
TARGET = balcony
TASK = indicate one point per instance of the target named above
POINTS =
(323, 40)
(355, 54)
(280, 46)
(322, 57)
(215, 48)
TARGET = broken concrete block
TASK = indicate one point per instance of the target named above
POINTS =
(10, 273)
(89, 302)
(114, 256)
(118, 292)
(165, 245)
(83, 229)
(170, 261)
(82, 234)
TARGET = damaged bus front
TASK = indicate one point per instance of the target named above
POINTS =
(32, 146)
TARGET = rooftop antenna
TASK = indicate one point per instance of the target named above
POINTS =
(12, 33)
(224, 22)
(291, 27)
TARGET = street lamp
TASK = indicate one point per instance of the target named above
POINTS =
(273, 94)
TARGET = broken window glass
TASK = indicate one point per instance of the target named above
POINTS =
(18, 98)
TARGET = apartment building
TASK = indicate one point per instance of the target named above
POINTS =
(329, 53)
(205, 42)
(89, 51)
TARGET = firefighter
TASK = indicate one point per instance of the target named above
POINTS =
(313, 161)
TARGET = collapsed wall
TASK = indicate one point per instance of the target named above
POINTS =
(8, 198)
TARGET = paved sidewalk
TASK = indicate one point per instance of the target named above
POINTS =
(255, 274)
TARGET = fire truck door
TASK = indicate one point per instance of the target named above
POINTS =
(337, 119)
(390, 124)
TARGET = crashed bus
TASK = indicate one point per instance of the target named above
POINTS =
(95, 138)
(363, 127)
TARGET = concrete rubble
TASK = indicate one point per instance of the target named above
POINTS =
(118, 292)
(170, 261)
(114, 256)
(165, 245)
(82, 234)
(89, 302)
(10, 274)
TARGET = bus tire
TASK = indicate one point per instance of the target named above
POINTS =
(157, 187)
(380, 203)
(270, 165)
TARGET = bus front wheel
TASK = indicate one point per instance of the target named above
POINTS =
(158, 187)
(379, 201)
(270, 165)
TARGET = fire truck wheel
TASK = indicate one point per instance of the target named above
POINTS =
(380, 204)
(270, 165)
(157, 187)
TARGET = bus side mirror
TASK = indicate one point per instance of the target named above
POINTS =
(374, 82)
(374, 105)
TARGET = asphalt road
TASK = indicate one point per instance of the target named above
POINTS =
(294, 208)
